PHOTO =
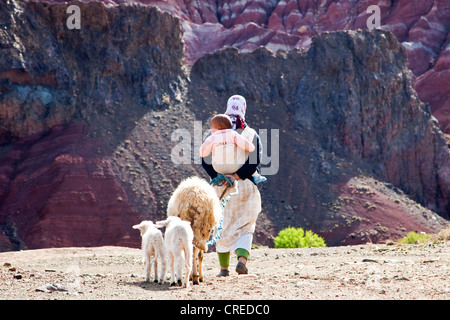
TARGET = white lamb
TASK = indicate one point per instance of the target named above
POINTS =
(178, 241)
(153, 250)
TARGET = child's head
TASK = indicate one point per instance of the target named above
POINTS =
(221, 122)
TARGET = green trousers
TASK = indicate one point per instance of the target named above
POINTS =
(224, 257)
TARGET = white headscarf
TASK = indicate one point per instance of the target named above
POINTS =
(236, 107)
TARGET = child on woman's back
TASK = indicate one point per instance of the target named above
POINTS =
(228, 148)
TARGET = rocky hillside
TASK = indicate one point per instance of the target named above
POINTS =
(89, 118)
(422, 26)
(78, 148)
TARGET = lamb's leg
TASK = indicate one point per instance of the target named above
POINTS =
(188, 265)
(155, 265)
(178, 270)
(172, 271)
(162, 275)
(147, 268)
(194, 266)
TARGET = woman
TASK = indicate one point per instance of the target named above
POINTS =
(242, 210)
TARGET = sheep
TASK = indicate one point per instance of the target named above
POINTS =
(178, 242)
(196, 201)
(153, 250)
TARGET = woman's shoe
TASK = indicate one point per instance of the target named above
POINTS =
(224, 273)
(241, 268)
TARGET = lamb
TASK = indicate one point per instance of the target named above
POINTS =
(196, 201)
(178, 242)
(153, 250)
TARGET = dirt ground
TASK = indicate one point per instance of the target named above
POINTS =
(352, 273)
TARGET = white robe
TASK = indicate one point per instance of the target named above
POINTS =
(240, 214)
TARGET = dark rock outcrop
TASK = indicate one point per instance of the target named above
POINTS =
(87, 119)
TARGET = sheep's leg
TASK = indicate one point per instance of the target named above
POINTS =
(194, 266)
(200, 265)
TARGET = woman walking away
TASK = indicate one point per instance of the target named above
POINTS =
(242, 210)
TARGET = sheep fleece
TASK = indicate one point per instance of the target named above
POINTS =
(195, 200)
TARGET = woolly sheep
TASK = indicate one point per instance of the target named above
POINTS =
(153, 250)
(178, 242)
(196, 201)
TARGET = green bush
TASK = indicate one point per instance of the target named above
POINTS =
(414, 237)
(297, 238)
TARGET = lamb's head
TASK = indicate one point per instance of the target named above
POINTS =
(144, 226)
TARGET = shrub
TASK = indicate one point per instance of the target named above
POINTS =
(297, 238)
(414, 237)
